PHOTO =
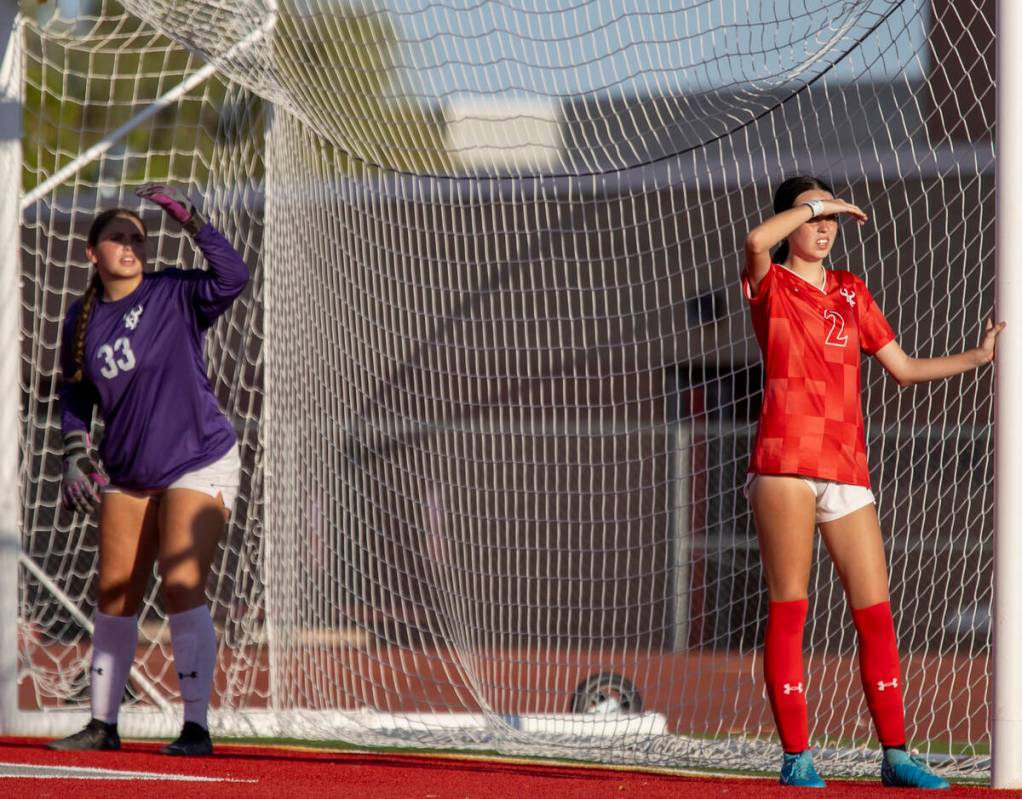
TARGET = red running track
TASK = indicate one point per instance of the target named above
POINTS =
(281, 773)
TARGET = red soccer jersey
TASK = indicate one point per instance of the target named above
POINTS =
(811, 420)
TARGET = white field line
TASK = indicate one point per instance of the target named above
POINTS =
(23, 771)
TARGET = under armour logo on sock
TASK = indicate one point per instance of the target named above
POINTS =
(98, 670)
(883, 686)
(193, 674)
(792, 689)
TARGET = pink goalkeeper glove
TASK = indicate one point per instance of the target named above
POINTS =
(174, 203)
(83, 476)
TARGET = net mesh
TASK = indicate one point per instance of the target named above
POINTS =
(496, 384)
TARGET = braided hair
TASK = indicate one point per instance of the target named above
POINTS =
(784, 198)
(95, 289)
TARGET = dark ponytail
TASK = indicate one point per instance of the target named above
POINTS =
(95, 289)
(784, 199)
(78, 342)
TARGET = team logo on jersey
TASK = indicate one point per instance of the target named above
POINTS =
(131, 317)
(848, 295)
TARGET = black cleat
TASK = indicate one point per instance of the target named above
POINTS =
(194, 741)
(97, 736)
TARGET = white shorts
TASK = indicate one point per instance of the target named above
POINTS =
(833, 500)
(220, 477)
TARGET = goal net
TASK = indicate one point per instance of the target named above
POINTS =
(494, 380)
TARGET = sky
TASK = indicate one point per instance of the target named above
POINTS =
(492, 46)
(526, 48)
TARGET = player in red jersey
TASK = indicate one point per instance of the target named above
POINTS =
(808, 466)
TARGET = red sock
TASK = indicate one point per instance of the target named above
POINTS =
(782, 667)
(878, 667)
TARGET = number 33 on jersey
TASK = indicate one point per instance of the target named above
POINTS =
(117, 356)
(812, 340)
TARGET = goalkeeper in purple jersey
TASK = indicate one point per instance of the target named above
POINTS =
(168, 469)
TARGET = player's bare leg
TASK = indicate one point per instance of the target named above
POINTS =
(128, 529)
(857, 550)
(128, 541)
(191, 526)
(785, 512)
(784, 509)
(856, 547)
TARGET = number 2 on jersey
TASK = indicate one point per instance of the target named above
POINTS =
(124, 362)
(836, 336)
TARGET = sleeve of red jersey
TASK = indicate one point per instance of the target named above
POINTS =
(874, 329)
(762, 290)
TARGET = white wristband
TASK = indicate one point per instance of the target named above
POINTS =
(815, 206)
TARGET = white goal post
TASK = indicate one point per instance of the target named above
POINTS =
(1006, 734)
(10, 222)
(494, 381)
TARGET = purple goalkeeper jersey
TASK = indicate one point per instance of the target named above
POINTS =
(144, 366)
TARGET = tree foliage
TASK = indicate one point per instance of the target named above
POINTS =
(86, 78)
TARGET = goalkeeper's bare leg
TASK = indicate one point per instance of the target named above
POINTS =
(128, 533)
(191, 525)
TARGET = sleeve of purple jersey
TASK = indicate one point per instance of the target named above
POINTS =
(225, 278)
(76, 399)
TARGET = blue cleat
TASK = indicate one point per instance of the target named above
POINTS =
(902, 770)
(799, 770)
